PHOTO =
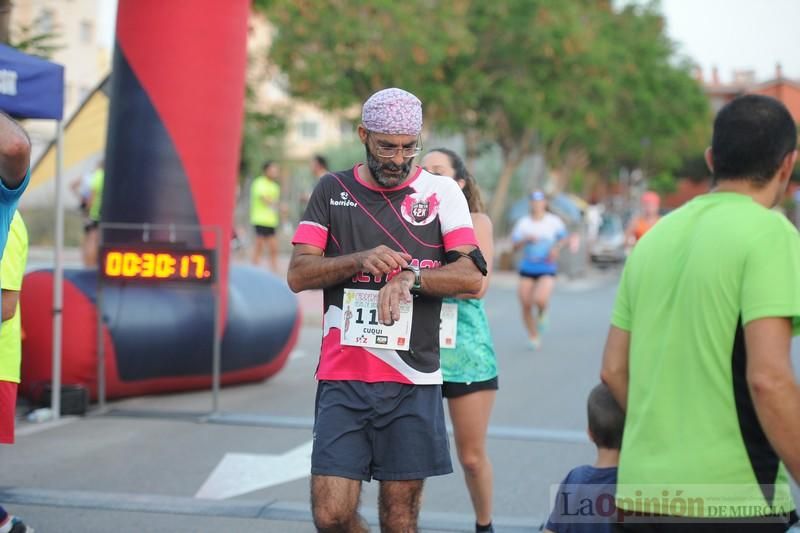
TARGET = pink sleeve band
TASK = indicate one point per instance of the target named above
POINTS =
(310, 233)
(464, 236)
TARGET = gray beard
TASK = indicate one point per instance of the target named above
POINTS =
(377, 168)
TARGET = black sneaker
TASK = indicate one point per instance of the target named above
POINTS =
(18, 526)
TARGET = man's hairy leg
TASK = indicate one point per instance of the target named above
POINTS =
(399, 504)
(334, 504)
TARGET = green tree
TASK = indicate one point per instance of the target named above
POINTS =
(586, 86)
(5, 21)
(26, 38)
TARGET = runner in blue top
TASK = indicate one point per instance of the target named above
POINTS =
(540, 235)
(15, 156)
(470, 369)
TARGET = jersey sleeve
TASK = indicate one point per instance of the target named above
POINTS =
(314, 226)
(622, 313)
(11, 196)
(454, 217)
(771, 278)
(555, 522)
(518, 233)
(12, 267)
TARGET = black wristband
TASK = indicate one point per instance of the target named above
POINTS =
(476, 256)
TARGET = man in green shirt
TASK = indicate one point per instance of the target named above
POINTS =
(265, 194)
(92, 227)
(699, 347)
(15, 156)
(12, 270)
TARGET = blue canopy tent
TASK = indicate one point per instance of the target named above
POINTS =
(31, 87)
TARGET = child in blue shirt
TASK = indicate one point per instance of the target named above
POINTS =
(585, 499)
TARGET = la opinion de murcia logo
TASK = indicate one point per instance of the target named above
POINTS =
(344, 202)
(8, 82)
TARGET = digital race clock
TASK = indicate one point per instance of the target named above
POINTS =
(157, 264)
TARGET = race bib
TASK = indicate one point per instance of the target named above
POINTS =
(448, 324)
(360, 326)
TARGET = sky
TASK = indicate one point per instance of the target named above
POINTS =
(737, 34)
(728, 34)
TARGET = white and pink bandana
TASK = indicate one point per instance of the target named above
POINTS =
(393, 112)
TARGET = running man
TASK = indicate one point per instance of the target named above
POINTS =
(699, 348)
(265, 194)
(381, 238)
(540, 235)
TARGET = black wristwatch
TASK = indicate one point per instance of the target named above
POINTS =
(417, 286)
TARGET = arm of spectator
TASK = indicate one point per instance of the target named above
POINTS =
(90, 200)
(310, 269)
(9, 305)
(483, 232)
(270, 201)
(15, 152)
(775, 393)
(614, 372)
(459, 277)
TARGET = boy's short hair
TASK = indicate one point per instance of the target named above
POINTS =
(606, 418)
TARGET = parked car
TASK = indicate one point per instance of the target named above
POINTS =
(609, 246)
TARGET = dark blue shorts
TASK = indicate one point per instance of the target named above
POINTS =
(385, 431)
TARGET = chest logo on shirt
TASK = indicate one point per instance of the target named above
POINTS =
(420, 210)
(344, 202)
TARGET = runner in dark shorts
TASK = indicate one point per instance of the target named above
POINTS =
(264, 231)
(540, 236)
(388, 233)
(359, 427)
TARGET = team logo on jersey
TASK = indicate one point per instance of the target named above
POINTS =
(344, 202)
(420, 210)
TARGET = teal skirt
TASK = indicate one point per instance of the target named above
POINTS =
(473, 359)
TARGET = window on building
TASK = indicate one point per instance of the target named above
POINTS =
(45, 22)
(346, 128)
(87, 32)
(309, 129)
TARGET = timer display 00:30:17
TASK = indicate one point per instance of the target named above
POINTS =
(194, 265)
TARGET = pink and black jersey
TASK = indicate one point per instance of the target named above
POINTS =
(425, 216)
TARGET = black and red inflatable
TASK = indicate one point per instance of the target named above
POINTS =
(177, 97)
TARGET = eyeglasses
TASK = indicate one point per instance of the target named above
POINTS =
(389, 152)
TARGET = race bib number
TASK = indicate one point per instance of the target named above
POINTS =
(448, 325)
(360, 326)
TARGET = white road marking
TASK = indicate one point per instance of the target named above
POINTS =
(240, 473)
(30, 429)
(297, 354)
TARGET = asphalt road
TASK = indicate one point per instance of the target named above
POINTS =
(140, 466)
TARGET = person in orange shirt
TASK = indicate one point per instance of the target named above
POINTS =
(646, 219)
